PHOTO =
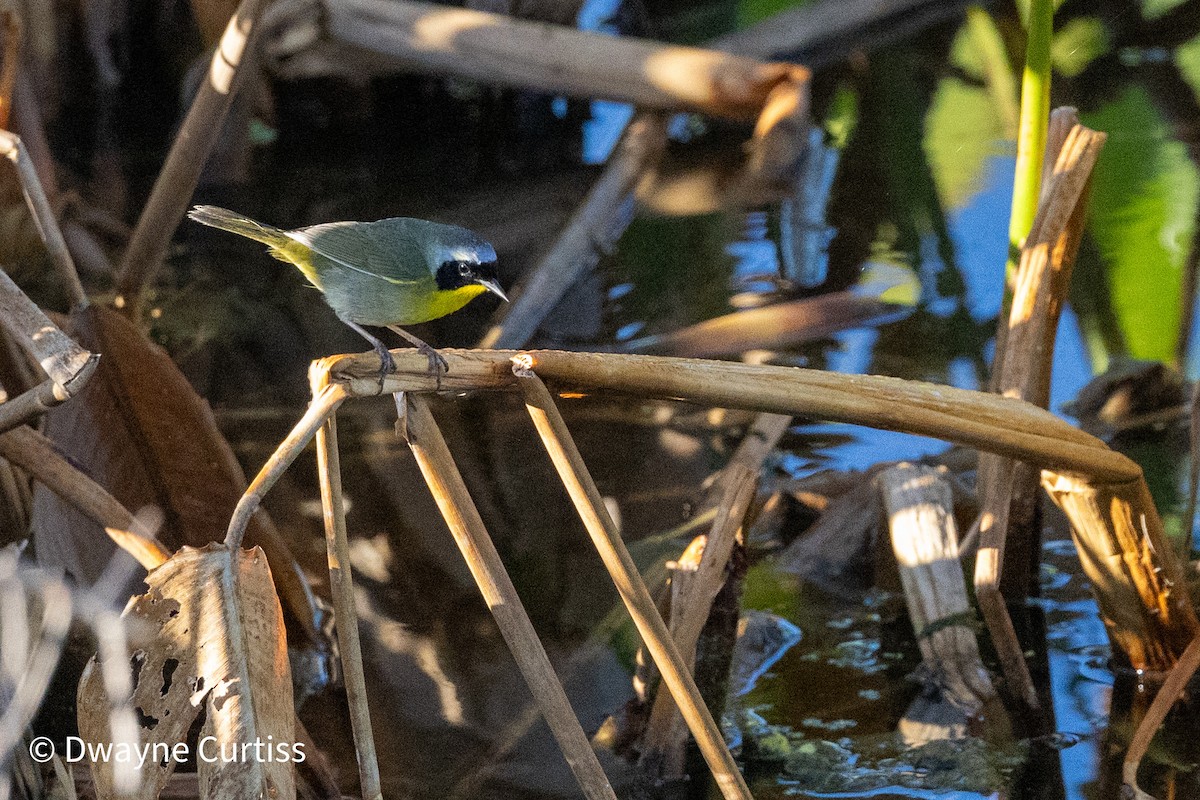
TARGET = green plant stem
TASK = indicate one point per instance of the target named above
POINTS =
(1035, 119)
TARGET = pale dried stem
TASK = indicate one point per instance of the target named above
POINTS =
(591, 231)
(694, 587)
(61, 358)
(197, 136)
(319, 410)
(1137, 580)
(35, 454)
(31, 404)
(498, 49)
(590, 505)
(1007, 489)
(40, 663)
(924, 537)
(1172, 690)
(984, 421)
(341, 587)
(43, 217)
(458, 509)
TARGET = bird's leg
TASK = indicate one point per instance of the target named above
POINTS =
(386, 364)
(437, 364)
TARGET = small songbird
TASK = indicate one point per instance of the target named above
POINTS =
(393, 272)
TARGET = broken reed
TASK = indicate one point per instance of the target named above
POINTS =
(989, 423)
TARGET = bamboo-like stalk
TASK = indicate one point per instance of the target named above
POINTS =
(591, 228)
(35, 454)
(43, 217)
(984, 421)
(694, 587)
(925, 540)
(196, 138)
(1172, 689)
(458, 509)
(590, 505)
(30, 405)
(497, 49)
(1129, 561)
(319, 410)
(341, 587)
(60, 356)
(1007, 489)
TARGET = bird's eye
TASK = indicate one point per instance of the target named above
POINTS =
(464, 268)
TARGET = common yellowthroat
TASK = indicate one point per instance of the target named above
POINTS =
(393, 272)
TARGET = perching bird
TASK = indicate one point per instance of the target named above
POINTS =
(393, 272)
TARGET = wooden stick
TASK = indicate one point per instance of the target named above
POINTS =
(341, 587)
(197, 136)
(1169, 693)
(590, 232)
(43, 217)
(1135, 575)
(458, 509)
(319, 410)
(1008, 490)
(35, 454)
(694, 586)
(497, 49)
(984, 421)
(590, 505)
(924, 538)
(60, 356)
(30, 405)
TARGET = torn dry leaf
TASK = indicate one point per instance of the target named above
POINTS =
(219, 648)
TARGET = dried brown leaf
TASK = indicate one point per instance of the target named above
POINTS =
(142, 432)
(218, 646)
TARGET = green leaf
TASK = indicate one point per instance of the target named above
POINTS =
(1078, 42)
(1142, 211)
(963, 128)
(962, 131)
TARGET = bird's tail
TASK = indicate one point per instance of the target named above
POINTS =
(227, 220)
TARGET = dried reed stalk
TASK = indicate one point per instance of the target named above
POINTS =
(920, 514)
(588, 502)
(1172, 689)
(319, 411)
(984, 421)
(197, 136)
(497, 49)
(341, 587)
(1008, 489)
(35, 454)
(1137, 580)
(458, 509)
(43, 217)
(68, 365)
(695, 584)
(590, 231)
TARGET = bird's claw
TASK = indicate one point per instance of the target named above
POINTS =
(387, 365)
(437, 363)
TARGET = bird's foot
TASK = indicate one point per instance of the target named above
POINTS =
(437, 362)
(387, 365)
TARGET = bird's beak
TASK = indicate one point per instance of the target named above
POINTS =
(493, 287)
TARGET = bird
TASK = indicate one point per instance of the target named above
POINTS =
(387, 273)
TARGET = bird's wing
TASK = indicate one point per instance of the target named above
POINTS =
(383, 249)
